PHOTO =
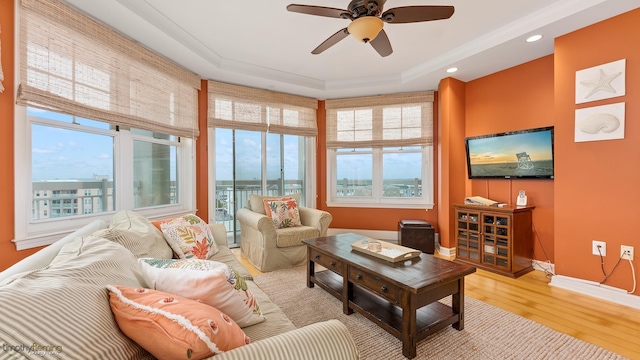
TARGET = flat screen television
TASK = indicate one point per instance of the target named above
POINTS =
(522, 154)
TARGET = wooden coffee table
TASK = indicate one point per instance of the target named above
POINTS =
(401, 297)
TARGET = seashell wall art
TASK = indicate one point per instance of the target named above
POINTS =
(604, 122)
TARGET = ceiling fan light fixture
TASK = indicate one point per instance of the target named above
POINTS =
(365, 28)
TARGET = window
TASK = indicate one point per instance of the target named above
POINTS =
(264, 144)
(104, 125)
(380, 152)
(69, 155)
(155, 169)
(83, 168)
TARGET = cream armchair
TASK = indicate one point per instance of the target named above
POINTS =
(269, 248)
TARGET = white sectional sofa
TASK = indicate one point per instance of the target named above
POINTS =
(55, 304)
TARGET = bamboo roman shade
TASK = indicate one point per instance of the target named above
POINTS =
(245, 108)
(70, 63)
(380, 121)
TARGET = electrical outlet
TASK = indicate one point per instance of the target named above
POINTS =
(626, 252)
(603, 248)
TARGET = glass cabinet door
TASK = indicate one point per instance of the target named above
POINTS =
(495, 240)
(468, 235)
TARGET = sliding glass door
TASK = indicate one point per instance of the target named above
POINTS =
(252, 162)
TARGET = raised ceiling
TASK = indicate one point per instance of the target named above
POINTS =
(258, 43)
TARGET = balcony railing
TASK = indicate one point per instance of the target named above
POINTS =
(53, 199)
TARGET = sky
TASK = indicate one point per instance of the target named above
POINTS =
(249, 155)
(248, 163)
(65, 154)
(61, 154)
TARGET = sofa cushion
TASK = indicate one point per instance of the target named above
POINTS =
(189, 237)
(256, 202)
(44, 256)
(140, 244)
(211, 282)
(287, 237)
(283, 213)
(138, 234)
(65, 305)
(171, 326)
(225, 255)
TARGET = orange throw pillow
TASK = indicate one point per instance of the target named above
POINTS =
(173, 327)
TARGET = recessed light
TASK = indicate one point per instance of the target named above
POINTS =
(452, 70)
(534, 38)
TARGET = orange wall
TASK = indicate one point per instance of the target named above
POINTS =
(597, 184)
(321, 156)
(515, 99)
(451, 159)
(202, 158)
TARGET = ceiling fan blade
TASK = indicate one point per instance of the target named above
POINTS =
(317, 10)
(382, 44)
(409, 14)
(332, 40)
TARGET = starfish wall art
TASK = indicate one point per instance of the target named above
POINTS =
(601, 82)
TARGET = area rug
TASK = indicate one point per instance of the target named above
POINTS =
(489, 332)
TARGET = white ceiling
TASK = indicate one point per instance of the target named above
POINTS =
(259, 43)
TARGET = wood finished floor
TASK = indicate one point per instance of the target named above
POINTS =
(608, 325)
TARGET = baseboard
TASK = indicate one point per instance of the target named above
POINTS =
(595, 289)
(450, 252)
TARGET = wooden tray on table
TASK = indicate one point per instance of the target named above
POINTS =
(388, 251)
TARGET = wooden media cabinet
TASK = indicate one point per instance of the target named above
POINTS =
(494, 239)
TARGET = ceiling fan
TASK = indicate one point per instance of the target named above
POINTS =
(367, 20)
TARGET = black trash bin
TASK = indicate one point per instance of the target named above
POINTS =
(416, 234)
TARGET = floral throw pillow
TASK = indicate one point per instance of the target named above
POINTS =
(211, 282)
(189, 237)
(284, 213)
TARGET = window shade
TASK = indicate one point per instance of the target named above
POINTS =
(380, 121)
(245, 108)
(70, 63)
